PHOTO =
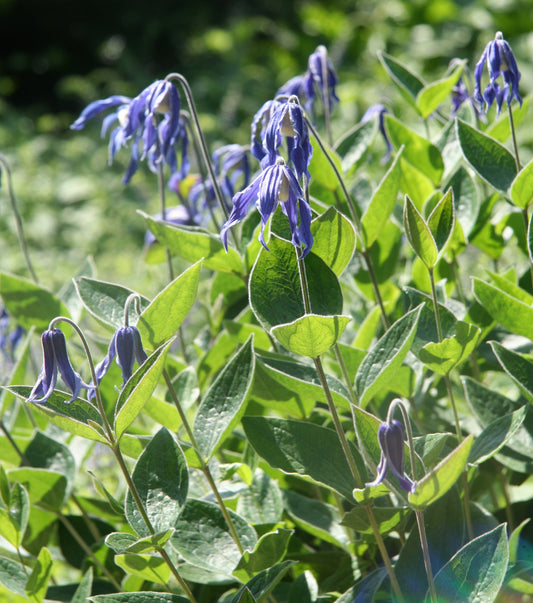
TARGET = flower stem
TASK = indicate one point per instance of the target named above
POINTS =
(18, 220)
(204, 467)
(203, 146)
(425, 552)
(344, 441)
(356, 221)
(513, 133)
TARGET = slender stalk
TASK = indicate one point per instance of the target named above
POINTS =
(204, 467)
(356, 221)
(162, 204)
(18, 220)
(344, 441)
(87, 550)
(425, 552)
(203, 146)
(325, 96)
(513, 133)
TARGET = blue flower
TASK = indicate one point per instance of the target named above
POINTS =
(127, 346)
(275, 184)
(56, 359)
(380, 111)
(390, 436)
(321, 75)
(9, 337)
(500, 60)
(282, 119)
(139, 121)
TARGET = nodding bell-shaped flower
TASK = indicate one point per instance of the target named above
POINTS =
(390, 436)
(127, 346)
(55, 358)
(276, 184)
(321, 74)
(380, 111)
(500, 60)
(152, 117)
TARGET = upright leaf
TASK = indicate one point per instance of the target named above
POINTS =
(491, 160)
(431, 96)
(334, 237)
(408, 82)
(39, 577)
(161, 478)
(419, 234)
(521, 193)
(223, 405)
(477, 570)
(441, 221)
(162, 318)
(386, 356)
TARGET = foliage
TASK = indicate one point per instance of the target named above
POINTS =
(256, 452)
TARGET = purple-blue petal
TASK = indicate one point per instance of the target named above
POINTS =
(97, 107)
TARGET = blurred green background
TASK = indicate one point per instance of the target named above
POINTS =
(58, 55)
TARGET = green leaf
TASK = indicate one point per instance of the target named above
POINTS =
(105, 301)
(382, 203)
(466, 199)
(292, 447)
(385, 357)
(419, 234)
(511, 312)
(320, 168)
(353, 146)
(441, 221)
(521, 193)
(530, 238)
(261, 503)
(408, 82)
(13, 576)
(311, 335)
(431, 96)
(138, 389)
(261, 585)
(496, 435)
(147, 567)
(269, 550)
(500, 128)
(29, 304)
(48, 453)
(193, 244)
(140, 597)
(442, 357)
(275, 290)
(162, 318)
(418, 151)
(45, 488)
(123, 542)
(39, 577)
(477, 570)
(223, 405)
(14, 518)
(203, 538)
(84, 589)
(387, 519)
(517, 366)
(442, 477)
(491, 160)
(317, 518)
(162, 480)
(334, 239)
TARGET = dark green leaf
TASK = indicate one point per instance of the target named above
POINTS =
(419, 234)
(408, 82)
(223, 405)
(489, 158)
(161, 478)
(269, 550)
(518, 367)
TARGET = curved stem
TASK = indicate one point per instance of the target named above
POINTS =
(204, 467)
(18, 220)
(425, 552)
(203, 146)
(356, 221)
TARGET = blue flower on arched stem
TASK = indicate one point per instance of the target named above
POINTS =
(321, 76)
(276, 184)
(126, 346)
(500, 60)
(390, 437)
(151, 118)
(55, 359)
